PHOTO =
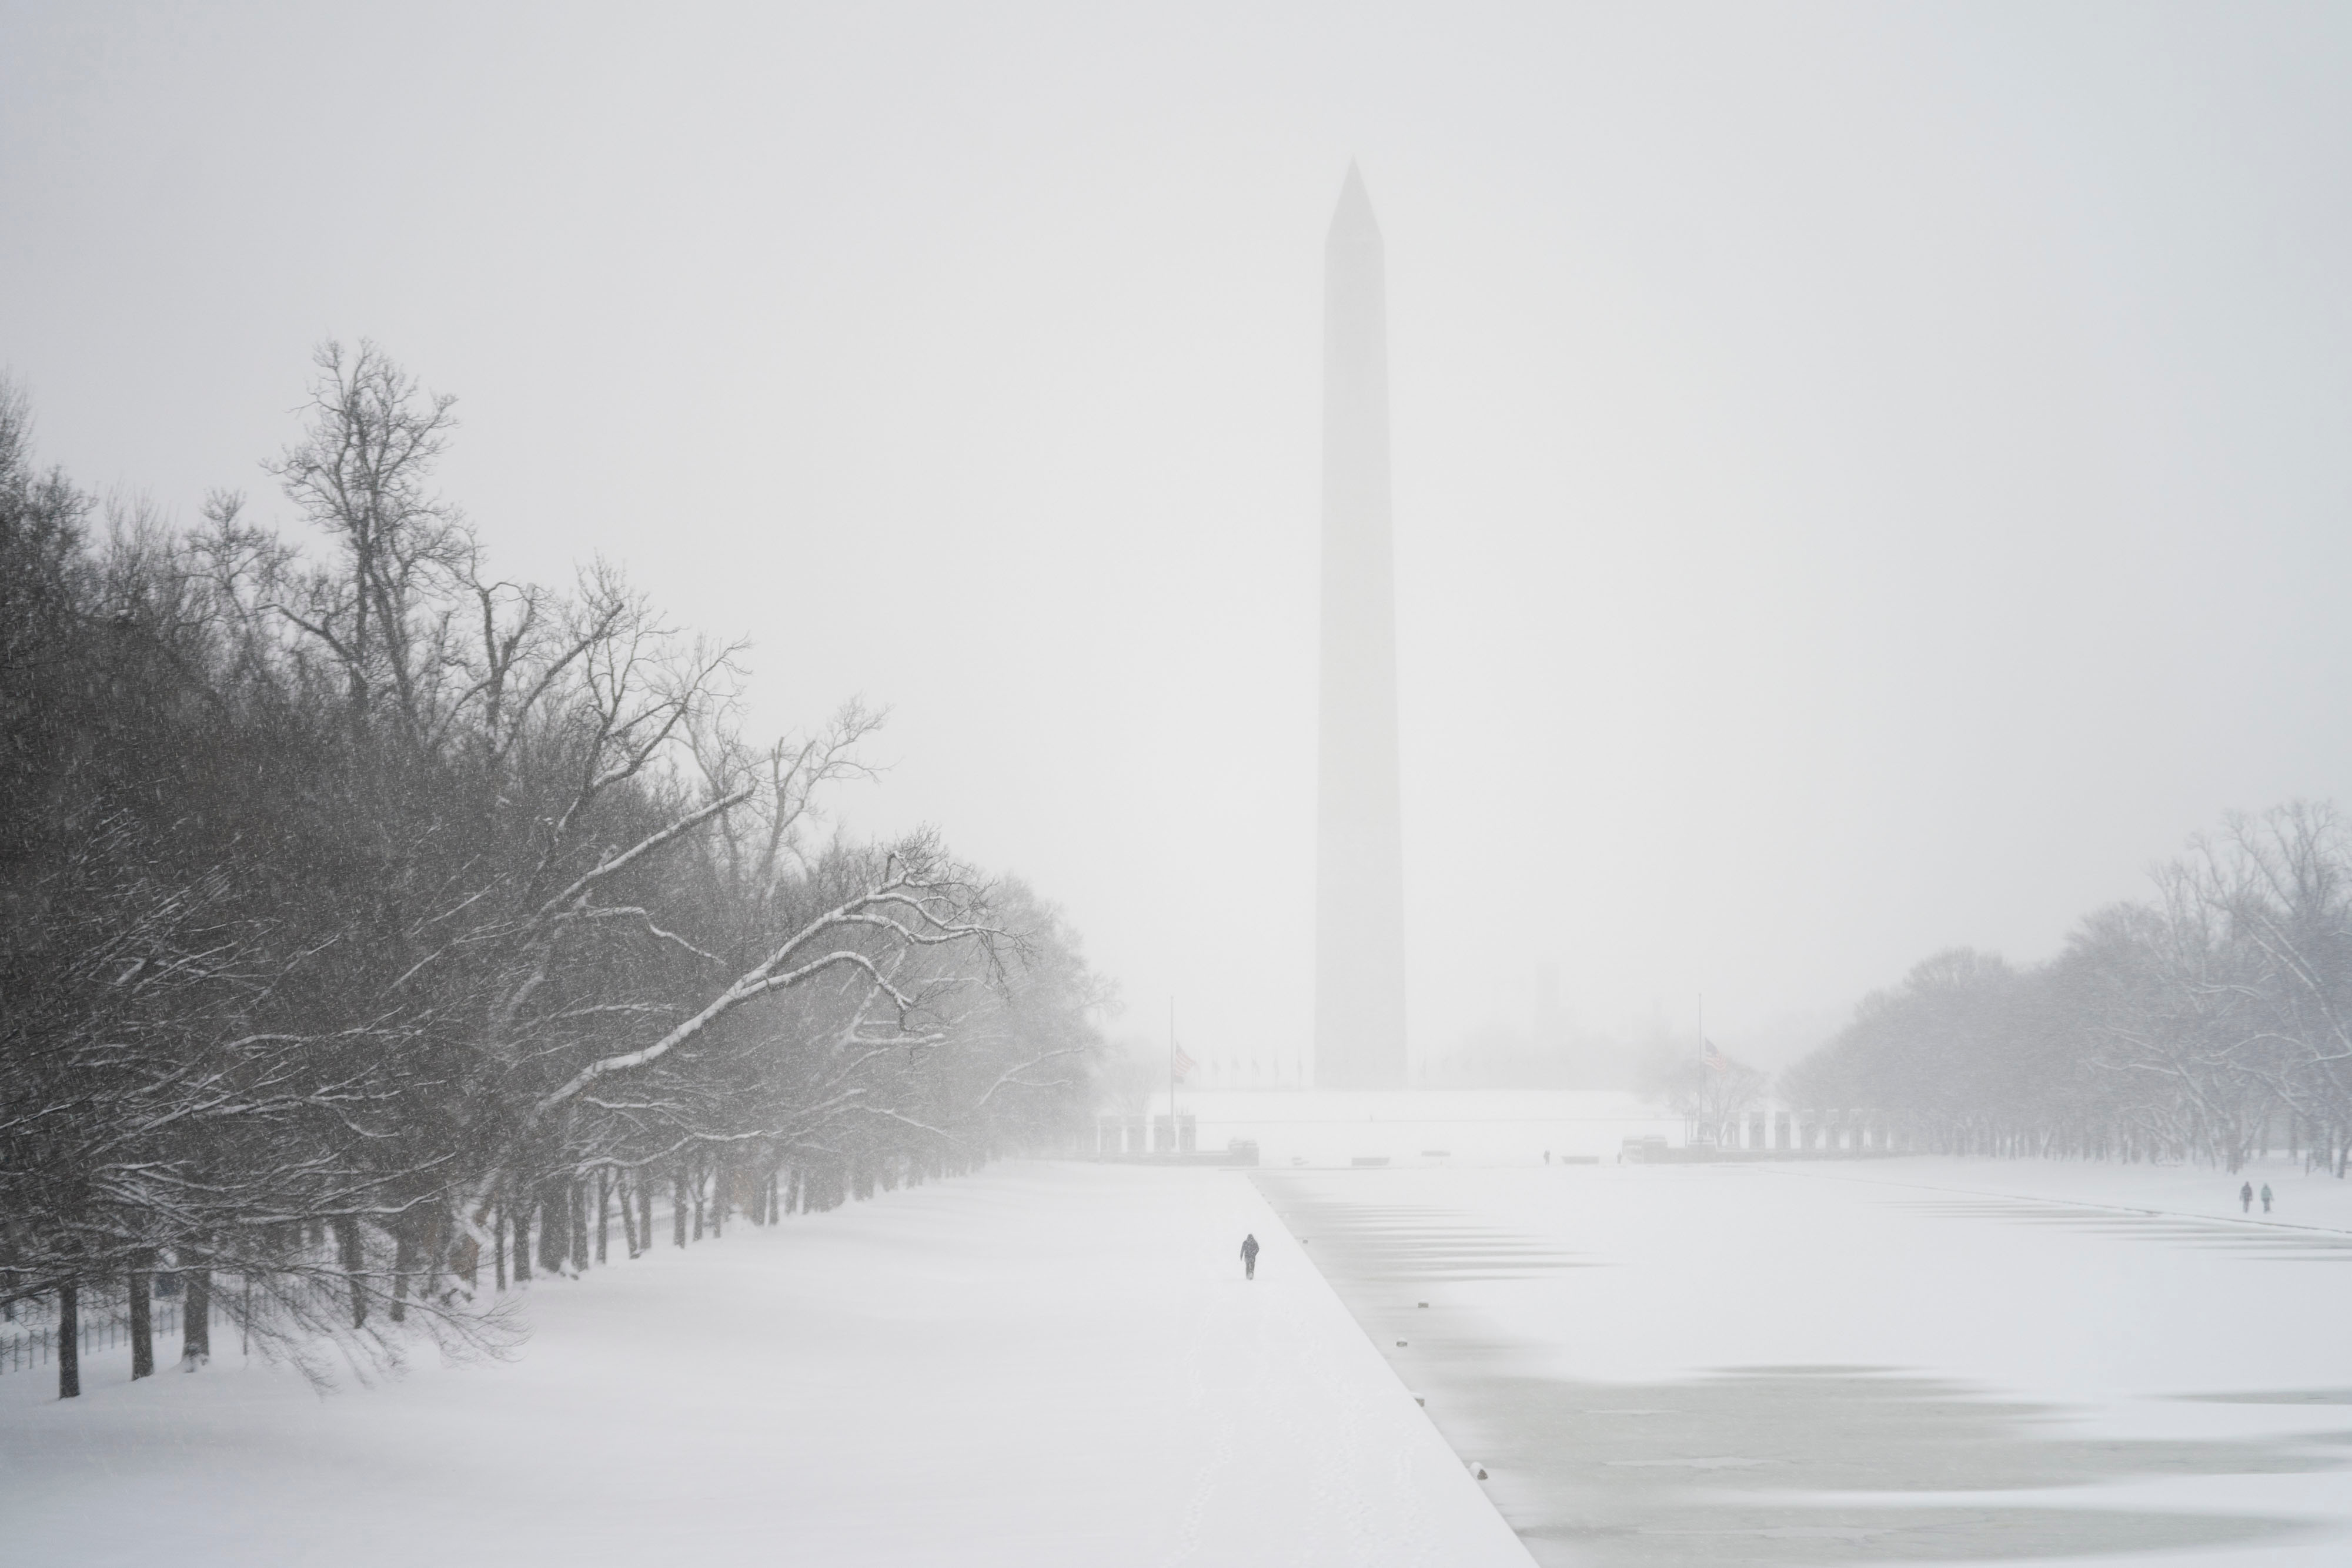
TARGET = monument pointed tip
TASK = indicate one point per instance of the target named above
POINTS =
(1354, 215)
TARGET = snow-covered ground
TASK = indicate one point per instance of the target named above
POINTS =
(1042, 1364)
(2301, 1197)
(1801, 1363)
(1867, 1361)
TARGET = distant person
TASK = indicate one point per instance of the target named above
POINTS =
(1547, 1156)
(1249, 1257)
(2246, 1199)
(2266, 1197)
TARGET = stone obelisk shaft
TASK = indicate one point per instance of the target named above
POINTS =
(1359, 1041)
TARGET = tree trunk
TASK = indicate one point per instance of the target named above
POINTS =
(521, 1244)
(629, 1231)
(695, 1187)
(142, 1324)
(576, 1197)
(554, 1227)
(403, 1263)
(70, 1340)
(678, 1207)
(197, 1319)
(603, 1213)
(645, 1211)
(499, 1247)
(347, 1243)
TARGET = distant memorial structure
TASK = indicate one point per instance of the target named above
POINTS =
(1361, 1110)
(1360, 875)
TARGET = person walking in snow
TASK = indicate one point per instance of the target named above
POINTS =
(2246, 1199)
(1249, 1257)
(2266, 1197)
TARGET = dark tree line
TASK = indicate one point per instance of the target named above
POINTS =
(2211, 1021)
(375, 931)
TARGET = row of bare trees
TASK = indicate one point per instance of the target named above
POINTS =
(2211, 1021)
(372, 928)
(1711, 1092)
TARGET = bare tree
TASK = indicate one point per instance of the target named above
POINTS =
(366, 911)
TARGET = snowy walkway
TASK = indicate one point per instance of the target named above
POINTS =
(1041, 1365)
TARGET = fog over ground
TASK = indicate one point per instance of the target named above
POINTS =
(1867, 479)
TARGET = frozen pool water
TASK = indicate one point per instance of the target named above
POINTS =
(1853, 1363)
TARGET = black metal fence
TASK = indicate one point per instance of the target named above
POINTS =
(30, 1340)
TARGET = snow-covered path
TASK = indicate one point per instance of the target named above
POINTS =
(1040, 1365)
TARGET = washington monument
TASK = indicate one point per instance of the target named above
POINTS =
(1360, 876)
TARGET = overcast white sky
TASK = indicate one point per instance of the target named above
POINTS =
(1868, 477)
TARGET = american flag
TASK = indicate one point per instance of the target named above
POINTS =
(1715, 1060)
(1184, 1064)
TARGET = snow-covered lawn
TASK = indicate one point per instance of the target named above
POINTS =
(1042, 1364)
